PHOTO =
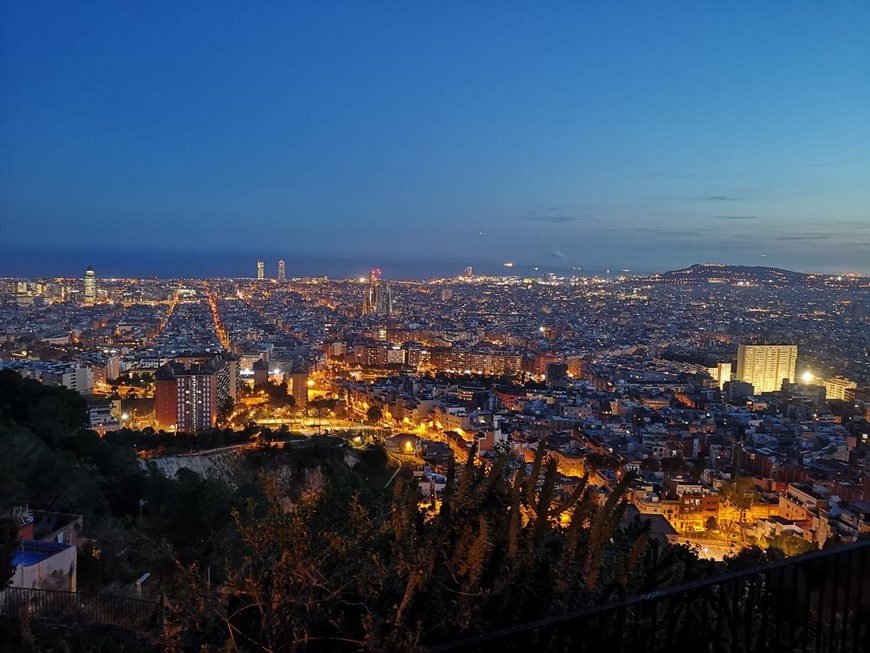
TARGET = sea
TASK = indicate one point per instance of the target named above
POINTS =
(201, 264)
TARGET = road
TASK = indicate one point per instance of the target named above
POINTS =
(710, 549)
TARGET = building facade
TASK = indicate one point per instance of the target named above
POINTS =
(90, 283)
(766, 366)
(192, 389)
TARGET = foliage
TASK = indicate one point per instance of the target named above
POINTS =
(50, 412)
(650, 465)
(790, 545)
(163, 442)
(374, 414)
(396, 573)
(8, 543)
(277, 394)
(739, 493)
(596, 461)
(135, 519)
(752, 556)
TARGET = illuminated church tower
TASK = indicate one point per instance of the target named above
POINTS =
(378, 298)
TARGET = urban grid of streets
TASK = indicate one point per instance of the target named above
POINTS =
(609, 374)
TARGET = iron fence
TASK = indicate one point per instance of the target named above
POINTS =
(75, 607)
(819, 603)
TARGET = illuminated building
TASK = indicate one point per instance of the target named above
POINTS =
(90, 295)
(282, 271)
(469, 273)
(721, 374)
(766, 366)
(191, 389)
(835, 387)
(260, 270)
(378, 298)
(299, 381)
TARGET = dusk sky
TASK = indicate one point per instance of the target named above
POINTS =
(641, 135)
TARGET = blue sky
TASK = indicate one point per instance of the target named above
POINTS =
(646, 135)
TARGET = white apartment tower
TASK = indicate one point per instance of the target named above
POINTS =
(261, 272)
(282, 271)
(765, 366)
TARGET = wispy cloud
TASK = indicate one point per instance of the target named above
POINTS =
(735, 217)
(556, 219)
(719, 198)
(827, 235)
(805, 237)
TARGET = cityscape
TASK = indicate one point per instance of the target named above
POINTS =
(434, 327)
(688, 379)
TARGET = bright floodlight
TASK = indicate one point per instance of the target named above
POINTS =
(807, 377)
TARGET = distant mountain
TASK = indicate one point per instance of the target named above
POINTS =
(755, 274)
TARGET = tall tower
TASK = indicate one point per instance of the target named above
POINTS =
(282, 271)
(90, 295)
(260, 270)
(378, 298)
(765, 366)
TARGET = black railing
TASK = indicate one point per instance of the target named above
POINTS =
(74, 607)
(818, 602)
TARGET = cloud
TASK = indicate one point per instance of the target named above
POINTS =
(664, 175)
(719, 198)
(735, 217)
(827, 235)
(557, 254)
(556, 219)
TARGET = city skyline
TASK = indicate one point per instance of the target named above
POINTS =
(651, 139)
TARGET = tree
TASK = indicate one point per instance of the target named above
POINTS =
(739, 493)
(430, 574)
(8, 544)
(672, 464)
(650, 465)
(225, 410)
(790, 545)
(374, 413)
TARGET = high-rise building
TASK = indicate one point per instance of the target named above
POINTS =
(261, 271)
(766, 366)
(282, 271)
(191, 389)
(90, 295)
(721, 374)
(378, 298)
(299, 381)
(835, 387)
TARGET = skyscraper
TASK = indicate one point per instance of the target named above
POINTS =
(378, 298)
(90, 295)
(261, 273)
(765, 366)
(282, 271)
(191, 389)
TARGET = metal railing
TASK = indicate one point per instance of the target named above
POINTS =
(818, 602)
(75, 607)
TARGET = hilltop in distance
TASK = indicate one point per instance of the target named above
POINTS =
(751, 275)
